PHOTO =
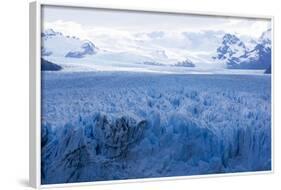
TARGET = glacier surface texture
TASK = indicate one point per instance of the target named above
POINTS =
(100, 126)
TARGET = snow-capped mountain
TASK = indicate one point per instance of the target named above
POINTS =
(266, 38)
(72, 52)
(87, 48)
(234, 53)
(55, 44)
(232, 47)
(260, 56)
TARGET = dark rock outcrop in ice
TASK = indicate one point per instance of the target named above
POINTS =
(49, 66)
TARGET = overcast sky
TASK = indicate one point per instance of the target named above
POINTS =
(83, 18)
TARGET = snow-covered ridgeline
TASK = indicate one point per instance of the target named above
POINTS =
(55, 44)
(232, 53)
(236, 55)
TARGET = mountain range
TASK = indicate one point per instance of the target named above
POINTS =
(231, 53)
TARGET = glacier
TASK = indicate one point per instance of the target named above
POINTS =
(99, 126)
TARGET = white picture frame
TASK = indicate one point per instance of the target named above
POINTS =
(35, 91)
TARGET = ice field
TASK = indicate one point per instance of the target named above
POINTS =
(125, 125)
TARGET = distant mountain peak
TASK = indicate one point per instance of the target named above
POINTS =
(58, 45)
(231, 46)
(50, 32)
(230, 39)
(234, 53)
(265, 38)
(266, 35)
(87, 48)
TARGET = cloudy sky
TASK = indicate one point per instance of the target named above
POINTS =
(130, 30)
(82, 18)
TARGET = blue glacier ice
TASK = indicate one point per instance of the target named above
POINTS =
(124, 125)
